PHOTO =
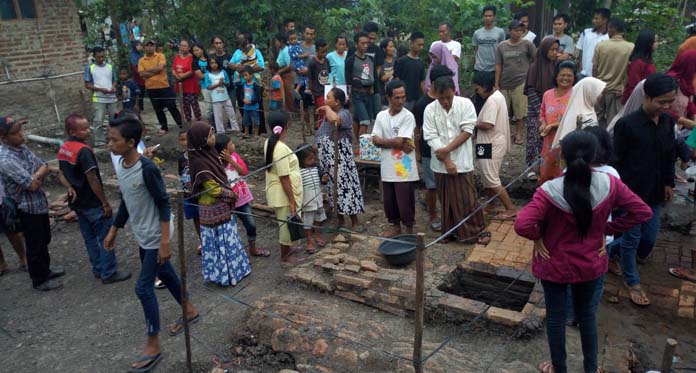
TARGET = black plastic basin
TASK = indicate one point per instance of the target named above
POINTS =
(398, 253)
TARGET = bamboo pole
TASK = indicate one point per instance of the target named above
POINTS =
(418, 339)
(182, 268)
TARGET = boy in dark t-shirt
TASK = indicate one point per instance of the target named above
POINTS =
(411, 69)
(126, 90)
(79, 173)
(319, 69)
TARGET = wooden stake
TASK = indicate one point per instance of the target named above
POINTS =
(181, 104)
(335, 172)
(418, 341)
(302, 110)
(182, 267)
(668, 356)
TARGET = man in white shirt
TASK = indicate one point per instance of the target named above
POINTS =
(448, 124)
(445, 31)
(590, 38)
(529, 35)
(393, 131)
(100, 78)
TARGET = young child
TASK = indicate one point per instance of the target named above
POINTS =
(126, 90)
(235, 168)
(216, 81)
(312, 203)
(295, 50)
(252, 96)
(319, 70)
(79, 174)
(224, 261)
(145, 203)
(190, 209)
(277, 88)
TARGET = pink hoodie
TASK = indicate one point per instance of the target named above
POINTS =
(549, 217)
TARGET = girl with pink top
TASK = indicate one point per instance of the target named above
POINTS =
(567, 219)
(236, 168)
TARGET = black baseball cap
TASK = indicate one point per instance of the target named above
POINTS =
(7, 123)
(151, 41)
(515, 24)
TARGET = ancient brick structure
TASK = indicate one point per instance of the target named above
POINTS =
(47, 43)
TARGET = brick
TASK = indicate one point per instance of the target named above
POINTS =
(688, 286)
(346, 357)
(320, 348)
(687, 312)
(401, 292)
(504, 317)
(305, 277)
(350, 296)
(353, 268)
(388, 298)
(323, 284)
(353, 281)
(333, 259)
(329, 267)
(686, 300)
(369, 266)
(349, 260)
(391, 309)
(461, 305)
(664, 291)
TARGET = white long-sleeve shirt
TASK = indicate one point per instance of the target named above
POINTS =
(441, 128)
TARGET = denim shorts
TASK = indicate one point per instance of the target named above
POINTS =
(428, 174)
(190, 211)
(363, 107)
(250, 117)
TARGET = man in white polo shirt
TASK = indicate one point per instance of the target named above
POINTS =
(590, 38)
(445, 31)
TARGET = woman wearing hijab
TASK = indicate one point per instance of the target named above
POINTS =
(440, 55)
(135, 54)
(581, 108)
(224, 260)
(540, 79)
(634, 102)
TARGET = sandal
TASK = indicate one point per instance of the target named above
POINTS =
(392, 231)
(484, 238)
(683, 273)
(179, 325)
(436, 225)
(320, 242)
(532, 176)
(638, 296)
(546, 367)
(506, 216)
(159, 284)
(311, 251)
(152, 362)
(260, 252)
(615, 267)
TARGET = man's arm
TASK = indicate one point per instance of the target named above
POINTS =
(498, 71)
(98, 190)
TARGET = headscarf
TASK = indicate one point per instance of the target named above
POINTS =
(581, 103)
(135, 56)
(683, 69)
(540, 75)
(446, 58)
(204, 161)
(635, 102)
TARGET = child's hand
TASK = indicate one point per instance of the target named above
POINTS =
(325, 178)
(225, 155)
(247, 102)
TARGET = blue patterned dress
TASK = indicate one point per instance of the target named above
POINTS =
(224, 260)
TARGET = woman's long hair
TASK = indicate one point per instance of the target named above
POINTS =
(275, 119)
(643, 48)
(578, 149)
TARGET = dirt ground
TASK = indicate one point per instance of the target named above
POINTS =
(90, 327)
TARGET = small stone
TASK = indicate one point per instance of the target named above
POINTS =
(318, 262)
(329, 267)
(364, 355)
(341, 246)
(346, 356)
(340, 238)
(320, 347)
(613, 299)
(353, 268)
(333, 259)
(369, 266)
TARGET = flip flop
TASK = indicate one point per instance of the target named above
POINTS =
(546, 367)
(633, 293)
(154, 360)
(261, 252)
(320, 242)
(312, 251)
(675, 271)
(159, 284)
(180, 322)
(505, 217)
(436, 225)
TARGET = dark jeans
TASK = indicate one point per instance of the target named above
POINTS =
(164, 98)
(400, 202)
(636, 242)
(145, 287)
(595, 301)
(141, 97)
(37, 236)
(248, 220)
(584, 296)
(94, 227)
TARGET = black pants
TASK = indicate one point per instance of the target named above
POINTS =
(141, 97)
(164, 98)
(37, 236)
(400, 202)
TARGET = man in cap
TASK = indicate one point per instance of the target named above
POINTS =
(22, 174)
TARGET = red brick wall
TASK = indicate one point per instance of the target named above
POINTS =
(51, 44)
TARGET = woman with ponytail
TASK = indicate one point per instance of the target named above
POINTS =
(567, 220)
(283, 182)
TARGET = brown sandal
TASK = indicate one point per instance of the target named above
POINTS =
(546, 367)
(638, 296)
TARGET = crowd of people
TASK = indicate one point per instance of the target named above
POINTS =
(602, 131)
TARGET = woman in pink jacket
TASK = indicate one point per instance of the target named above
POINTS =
(567, 220)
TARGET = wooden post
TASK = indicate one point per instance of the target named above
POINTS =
(180, 97)
(302, 109)
(418, 341)
(668, 356)
(182, 267)
(693, 259)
